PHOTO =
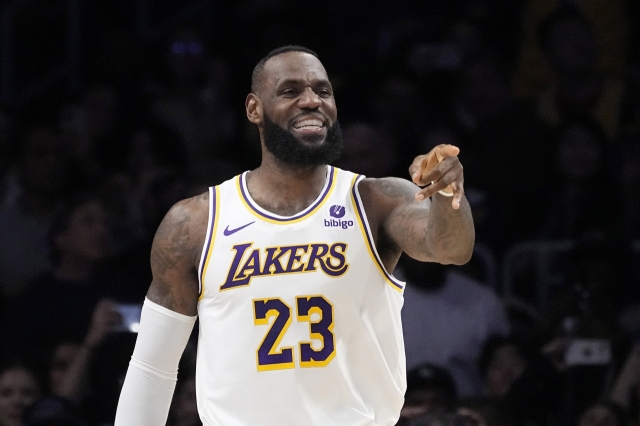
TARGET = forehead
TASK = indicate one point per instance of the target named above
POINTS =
(293, 66)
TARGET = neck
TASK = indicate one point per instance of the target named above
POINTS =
(73, 268)
(282, 189)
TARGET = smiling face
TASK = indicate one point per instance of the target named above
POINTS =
(294, 108)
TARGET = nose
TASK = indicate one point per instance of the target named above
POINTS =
(309, 99)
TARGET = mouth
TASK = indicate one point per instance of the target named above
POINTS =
(309, 126)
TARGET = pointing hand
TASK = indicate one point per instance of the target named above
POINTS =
(442, 171)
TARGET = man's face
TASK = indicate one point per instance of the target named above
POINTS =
(87, 235)
(299, 117)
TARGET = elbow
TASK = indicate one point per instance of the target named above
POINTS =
(458, 257)
(456, 260)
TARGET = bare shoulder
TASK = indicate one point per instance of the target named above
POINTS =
(175, 255)
(390, 189)
(384, 195)
(397, 218)
(388, 203)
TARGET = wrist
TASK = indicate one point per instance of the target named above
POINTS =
(447, 192)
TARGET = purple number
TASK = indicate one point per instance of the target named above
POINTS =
(315, 310)
(320, 328)
(268, 356)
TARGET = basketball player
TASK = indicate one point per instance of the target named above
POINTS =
(289, 269)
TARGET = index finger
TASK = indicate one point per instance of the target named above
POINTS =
(421, 164)
(444, 151)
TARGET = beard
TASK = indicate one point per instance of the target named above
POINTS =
(288, 149)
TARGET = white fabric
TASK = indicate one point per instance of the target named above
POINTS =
(362, 382)
(153, 370)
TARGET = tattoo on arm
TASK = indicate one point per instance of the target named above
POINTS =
(451, 231)
(174, 255)
(391, 189)
(428, 230)
(170, 242)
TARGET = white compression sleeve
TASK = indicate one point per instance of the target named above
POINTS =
(153, 370)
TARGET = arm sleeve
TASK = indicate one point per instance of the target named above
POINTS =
(151, 378)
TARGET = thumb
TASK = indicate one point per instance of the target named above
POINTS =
(444, 151)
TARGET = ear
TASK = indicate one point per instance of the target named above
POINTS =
(253, 105)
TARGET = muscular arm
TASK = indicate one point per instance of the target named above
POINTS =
(175, 254)
(167, 316)
(428, 230)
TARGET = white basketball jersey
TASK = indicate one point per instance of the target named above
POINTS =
(299, 321)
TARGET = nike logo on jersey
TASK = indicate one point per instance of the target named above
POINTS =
(228, 231)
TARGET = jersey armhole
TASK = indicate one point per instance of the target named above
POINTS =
(358, 206)
(207, 248)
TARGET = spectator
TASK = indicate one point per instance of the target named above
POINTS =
(69, 374)
(585, 310)
(581, 92)
(18, 389)
(41, 180)
(59, 303)
(527, 385)
(430, 391)
(93, 128)
(154, 152)
(580, 163)
(446, 319)
(64, 355)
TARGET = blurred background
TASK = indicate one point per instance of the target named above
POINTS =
(110, 112)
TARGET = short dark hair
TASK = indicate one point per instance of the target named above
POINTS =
(431, 377)
(256, 76)
(62, 219)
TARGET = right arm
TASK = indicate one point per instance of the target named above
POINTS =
(175, 255)
(168, 315)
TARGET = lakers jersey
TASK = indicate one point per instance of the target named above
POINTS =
(299, 321)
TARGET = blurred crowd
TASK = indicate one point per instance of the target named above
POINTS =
(542, 97)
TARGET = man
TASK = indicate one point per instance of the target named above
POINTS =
(288, 268)
(446, 318)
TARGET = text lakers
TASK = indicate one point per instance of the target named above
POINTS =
(249, 263)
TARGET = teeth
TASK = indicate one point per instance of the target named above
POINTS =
(310, 123)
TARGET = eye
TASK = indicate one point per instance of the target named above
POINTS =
(324, 93)
(289, 92)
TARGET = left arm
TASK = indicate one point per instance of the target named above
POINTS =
(439, 229)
